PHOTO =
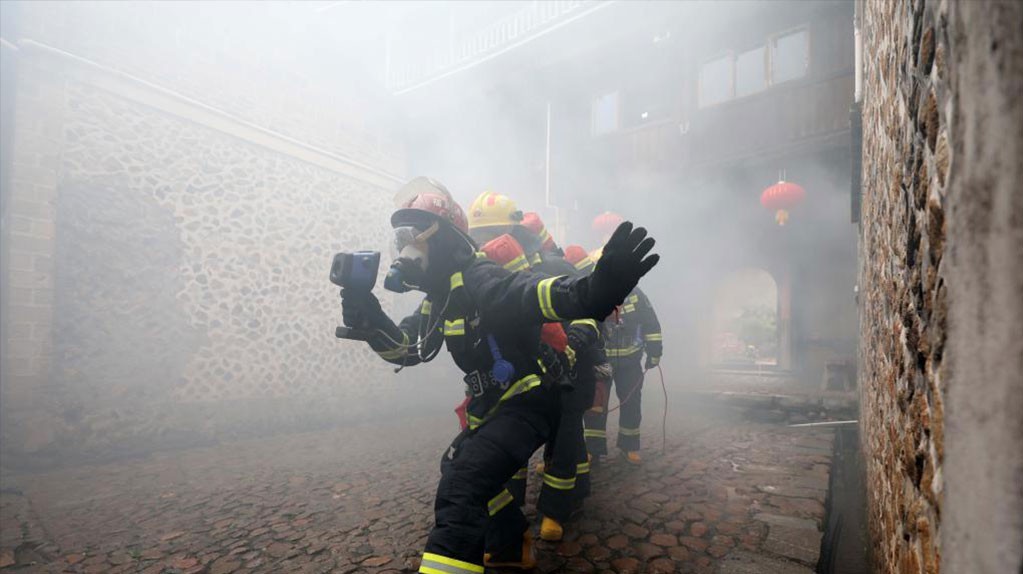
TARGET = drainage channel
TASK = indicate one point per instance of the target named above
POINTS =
(844, 547)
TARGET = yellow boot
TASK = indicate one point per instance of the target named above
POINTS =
(632, 457)
(526, 562)
(551, 530)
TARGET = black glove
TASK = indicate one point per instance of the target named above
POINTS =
(620, 267)
(653, 348)
(652, 361)
(554, 365)
(360, 311)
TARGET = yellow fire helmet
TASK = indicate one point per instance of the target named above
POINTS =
(491, 209)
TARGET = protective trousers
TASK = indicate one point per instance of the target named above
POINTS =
(628, 384)
(566, 475)
(473, 473)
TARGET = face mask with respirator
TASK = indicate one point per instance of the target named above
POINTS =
(408, 272)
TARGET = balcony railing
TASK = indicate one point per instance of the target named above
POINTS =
(472, 48)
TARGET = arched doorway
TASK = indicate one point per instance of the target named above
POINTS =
(745, 324)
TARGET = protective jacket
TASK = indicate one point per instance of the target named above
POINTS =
(635, 330)
(487, 316)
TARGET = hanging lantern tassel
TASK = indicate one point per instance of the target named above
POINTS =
(781, 197)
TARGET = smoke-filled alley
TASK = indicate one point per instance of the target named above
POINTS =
(496, 286)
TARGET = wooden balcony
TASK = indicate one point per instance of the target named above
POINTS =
(776, 122)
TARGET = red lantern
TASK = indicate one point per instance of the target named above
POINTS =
(781, 197)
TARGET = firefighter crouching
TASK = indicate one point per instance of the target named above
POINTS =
(489, 319)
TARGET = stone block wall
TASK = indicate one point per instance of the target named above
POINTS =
(904, 304)
(257, 60)
(166, 270)
(941, 272)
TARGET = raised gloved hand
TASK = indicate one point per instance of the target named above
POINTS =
(622, 264)
(360, 311)
(652, 361)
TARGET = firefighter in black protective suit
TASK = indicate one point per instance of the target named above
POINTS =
(489, 318)
(566, 457)
(629, 333)
(513, 239)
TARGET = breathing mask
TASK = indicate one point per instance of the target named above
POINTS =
(409, 268)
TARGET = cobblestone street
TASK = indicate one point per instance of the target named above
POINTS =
(723, 497)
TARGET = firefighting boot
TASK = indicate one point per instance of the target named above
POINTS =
(632, 457)
(551, 530)
(523, 560)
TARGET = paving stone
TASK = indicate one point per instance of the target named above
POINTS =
(802, 544)
(718, 550)
(579, 564)
(741, 562)
(617, 542)
(692, 543)
(375, 561)
(679, 553)
(675, 526)
(569, 548)
(661, 566)
(646, 550)
(634, 531)
(153, 569)
(790, 521)
(662, 539)
(626, 565)
(118, 558)
(224, 565)
(370, 516)
(184, 563)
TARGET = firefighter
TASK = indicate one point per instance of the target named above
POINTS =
(508, 518)
(518, 248)
(489, 319)
(632, 331)
(493, 219)
(566, 466)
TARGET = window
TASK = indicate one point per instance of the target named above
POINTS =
(645, 101)
(716, 81)
(790, 56)
(751, 72)
(604, 114)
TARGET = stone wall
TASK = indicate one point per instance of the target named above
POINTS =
(903, 295)
(166, 269)
(941, 270)
(260, 61)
